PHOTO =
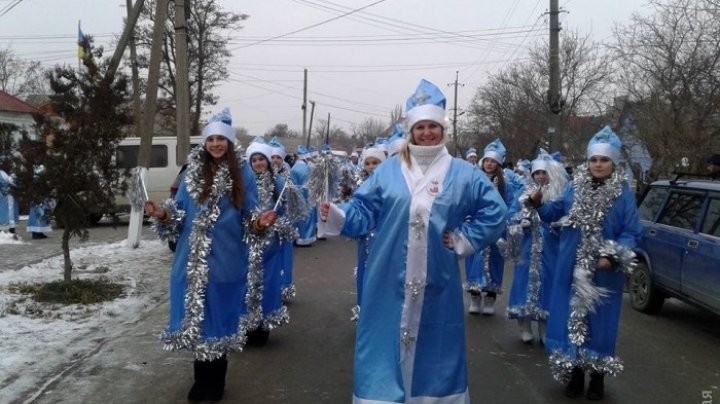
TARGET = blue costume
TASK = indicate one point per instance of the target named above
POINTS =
(586, 301)
(300, 175)
(410, 344)
(286, 266)
(9, 209)
(38, 218)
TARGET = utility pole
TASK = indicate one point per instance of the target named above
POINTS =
(304, 105)
(182, 85)
(327, 134)
(554, 98)
(312, 112)
(455, 112)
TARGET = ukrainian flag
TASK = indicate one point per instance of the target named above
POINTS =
(82, 43)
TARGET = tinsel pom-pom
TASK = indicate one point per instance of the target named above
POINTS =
(324, 179)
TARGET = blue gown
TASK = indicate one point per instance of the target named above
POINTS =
(9, 208)
(221, 291)
(597, 351)
(306, 228)
(484, 270)
(410, 343)
(38, 218)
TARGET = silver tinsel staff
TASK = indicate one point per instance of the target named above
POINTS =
(324, 179)
(137, 192)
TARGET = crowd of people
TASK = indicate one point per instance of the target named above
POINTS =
(415, 211)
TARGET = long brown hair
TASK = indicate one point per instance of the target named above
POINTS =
(210, 167)
(498, 173)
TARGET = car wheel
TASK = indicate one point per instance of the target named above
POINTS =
(644, 296)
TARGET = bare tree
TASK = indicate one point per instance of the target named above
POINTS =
(512, 105)
(281, 130)
(367, 130)
(670, 67)
(210, 29)
(19, 77)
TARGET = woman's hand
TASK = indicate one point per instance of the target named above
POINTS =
(447, 240)
(536, 198)
(152, 209)
(324, 209)
(267, 219)
(604, 264)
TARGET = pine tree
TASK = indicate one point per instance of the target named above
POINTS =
(76, 148)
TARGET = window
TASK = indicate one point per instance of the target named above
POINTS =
(711, 225)
(127, 156)
(682, 210)
(652, 203)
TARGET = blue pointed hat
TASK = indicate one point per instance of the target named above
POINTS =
(258, 145)
(302, 152)
(524, 165)
(326, 148)
(470, 152)
(396, 140)
(313, 151)
(557, 156)
(221, 125)
(605, 143)
(542, 161)
(426, 103)
(380, 143)
(277, 148)
(495, 150)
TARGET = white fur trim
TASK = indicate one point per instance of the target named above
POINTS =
(219, 128)
(334, 223)
(425, 112)
(539, 165)
(276, 151)
(262, 148)
(374, 152)
(494, 155)
(461, 245)
(604, 149)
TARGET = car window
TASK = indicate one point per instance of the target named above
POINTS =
(682, 210)
(711, 225)
(127, 156)
(652, 203)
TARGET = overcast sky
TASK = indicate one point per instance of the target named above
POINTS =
(360, 65)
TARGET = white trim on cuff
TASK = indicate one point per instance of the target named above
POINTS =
(461, 245)
(334, 223)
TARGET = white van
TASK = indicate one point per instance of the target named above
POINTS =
(163, 167)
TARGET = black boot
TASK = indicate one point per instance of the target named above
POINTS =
(11, 230)
(596, 390)
(216, 382)
(201, 371)
(38, 236)
(258, 337)
(576, 385)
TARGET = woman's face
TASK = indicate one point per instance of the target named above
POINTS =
(489, 165)
(217, 146)
(541, 177)
(277, 161)
(600, 167)
(371, 164)
(259, 163)
(427, 133)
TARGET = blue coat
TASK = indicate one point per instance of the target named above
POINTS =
(411, 337)
(9, 208)
(300, 175)
(622, 226)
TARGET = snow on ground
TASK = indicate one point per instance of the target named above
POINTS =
(8, 238)
(41, 341)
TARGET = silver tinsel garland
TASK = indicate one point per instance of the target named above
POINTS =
(288, 292)
(137, 192)
(562, 365)
(170, 230)
(324, 179)
(592, 202)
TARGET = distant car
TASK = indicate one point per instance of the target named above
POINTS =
(679, 252)
(173, 191)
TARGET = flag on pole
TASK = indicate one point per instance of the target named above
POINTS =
(82, 43)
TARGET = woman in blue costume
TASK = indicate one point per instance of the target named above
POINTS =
(215, 299)
(282, 169)
(372, 157)
(531, 287)
(410, 343)
(596, 249)
(38, 222)
(265, 249)
(300, 176)
(9, 208)
(484, 272)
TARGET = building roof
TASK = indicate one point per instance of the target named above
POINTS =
(8, 103)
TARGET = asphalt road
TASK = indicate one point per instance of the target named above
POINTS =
(673, 357)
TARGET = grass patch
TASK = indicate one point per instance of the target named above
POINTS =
(77, 291)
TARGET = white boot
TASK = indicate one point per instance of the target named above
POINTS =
(488, 306)
(526, 335)
(475, 304)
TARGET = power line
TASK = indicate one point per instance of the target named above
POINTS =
(311, 26)
(9, 7)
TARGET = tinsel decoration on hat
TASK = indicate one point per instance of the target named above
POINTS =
(324, 179)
